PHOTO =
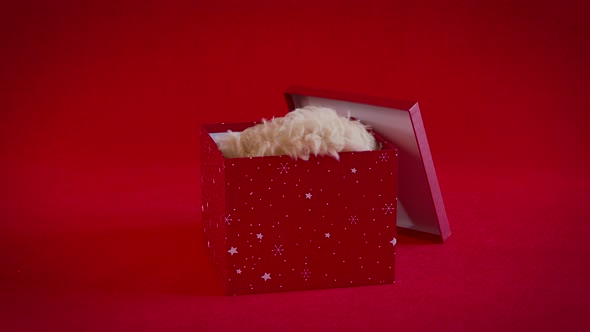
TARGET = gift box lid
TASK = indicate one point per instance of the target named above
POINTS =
(420, 204)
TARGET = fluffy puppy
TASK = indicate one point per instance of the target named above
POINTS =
(303, 132)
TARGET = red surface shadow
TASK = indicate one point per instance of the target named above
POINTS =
(150, 259)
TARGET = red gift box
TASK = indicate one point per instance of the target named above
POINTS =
(277, 224)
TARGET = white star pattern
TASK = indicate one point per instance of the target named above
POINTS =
(353, 170)
(384, 157)
(239, 271)
(353, 219)
(327, 235)
(305, 274)
(278, 250)
(233, 250)
(228, 219)
(259, 236)
(266, 276)
(308, 195)
(393, 241)
(388, 208)
(284, 168)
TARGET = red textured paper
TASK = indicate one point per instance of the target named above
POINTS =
(277, 224)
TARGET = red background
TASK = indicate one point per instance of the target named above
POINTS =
(99, 179)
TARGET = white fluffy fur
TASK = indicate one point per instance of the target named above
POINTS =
(305, 131)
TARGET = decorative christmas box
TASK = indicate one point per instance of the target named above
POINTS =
(277, 224)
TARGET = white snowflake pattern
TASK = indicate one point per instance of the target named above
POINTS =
(393, 241)
(353, 219)
(284, 168)
(388, 208)
(259, 236)
(228, 219)
(278, 250)
(306, 273)
(384, 157)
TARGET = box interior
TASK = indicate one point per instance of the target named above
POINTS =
(217, 136)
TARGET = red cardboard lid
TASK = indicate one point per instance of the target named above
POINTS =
(420, 203)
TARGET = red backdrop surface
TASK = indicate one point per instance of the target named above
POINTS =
(99, 177)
